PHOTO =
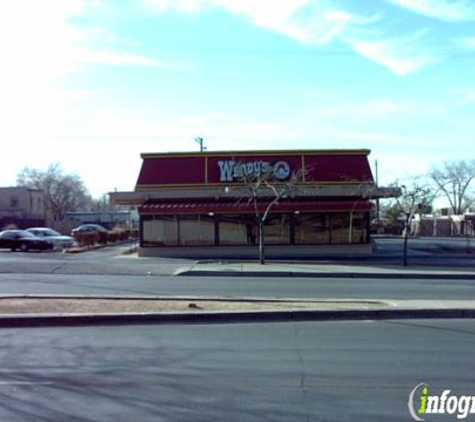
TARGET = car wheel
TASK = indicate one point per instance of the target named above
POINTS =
(24, 247)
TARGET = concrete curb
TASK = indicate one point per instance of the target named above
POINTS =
(304, 274)
(255, 299)
(383, 309)
(68, 320)
(91, 248)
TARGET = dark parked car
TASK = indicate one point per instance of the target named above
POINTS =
(22, 240)
(85, 228)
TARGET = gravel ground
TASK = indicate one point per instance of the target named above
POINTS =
(97, 306)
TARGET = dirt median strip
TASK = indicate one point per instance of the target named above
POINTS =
(28, 311)
(32, 305)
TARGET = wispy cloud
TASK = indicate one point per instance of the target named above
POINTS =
(75, 95)
(186, 6)
(47, 43)
(305, 21)
(446, 10)
(319, 23)
(309, 22)
(377, 138)
(467, 43)
(401, 55)
(87, 55)
(44, 45)
(467, 95)
(370, 109)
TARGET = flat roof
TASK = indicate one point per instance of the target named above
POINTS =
(237, 153)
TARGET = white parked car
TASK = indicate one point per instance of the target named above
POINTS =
(58, 240)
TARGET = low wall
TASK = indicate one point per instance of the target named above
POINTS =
(444, 226)
(252, 252)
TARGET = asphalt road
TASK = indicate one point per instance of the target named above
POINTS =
(332, 371)
(328, 288)
(106, 271)
(109, 261)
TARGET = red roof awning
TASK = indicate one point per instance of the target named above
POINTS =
(240, 207)
(172, 170)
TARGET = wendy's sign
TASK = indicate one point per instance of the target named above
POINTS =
(232, 170)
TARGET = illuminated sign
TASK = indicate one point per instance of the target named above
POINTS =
(231, 170)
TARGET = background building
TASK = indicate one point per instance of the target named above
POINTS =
(22, 207)
(108, 219)
(443, 225)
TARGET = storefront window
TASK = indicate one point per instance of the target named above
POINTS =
(196, 230)
(160, 231)
(277, 230)
(359, 228)
(312, 229)
(237, 230)
(340, 224)
(308, 228)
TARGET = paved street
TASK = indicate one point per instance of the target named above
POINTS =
(332, 371)
(444, 252)
(107, 271)
(238, 287)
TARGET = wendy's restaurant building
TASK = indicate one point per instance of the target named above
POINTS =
(208, 204)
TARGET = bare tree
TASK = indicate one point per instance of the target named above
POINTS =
(454, 181)
(367, 190)
(264, 191)
(363, 191)
(63, 192)
(102, 204)
(469, 201)
(416, 195)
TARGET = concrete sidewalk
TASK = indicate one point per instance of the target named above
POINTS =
(318, 270)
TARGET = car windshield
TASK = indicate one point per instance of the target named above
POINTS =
(27, 235)
(46, 232)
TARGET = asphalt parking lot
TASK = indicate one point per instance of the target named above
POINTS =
(112, 260)
(450, 252)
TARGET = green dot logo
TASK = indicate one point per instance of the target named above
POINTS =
(417, 402)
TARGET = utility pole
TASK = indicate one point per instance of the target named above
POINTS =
(200, 141)
(377, 199)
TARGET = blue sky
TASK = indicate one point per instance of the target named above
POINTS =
(93, 83)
